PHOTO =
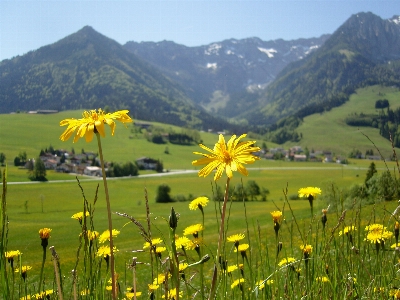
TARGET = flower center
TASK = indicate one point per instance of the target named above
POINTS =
(227, 156)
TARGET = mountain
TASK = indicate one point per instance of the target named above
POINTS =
(364, 51)
(87, 70)
(218, 75)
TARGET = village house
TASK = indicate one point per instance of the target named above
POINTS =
(299, 157)
(146, 163)
(92, 171)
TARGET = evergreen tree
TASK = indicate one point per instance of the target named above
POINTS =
(253, 190)
(17, 161)
(370, 173)
(163, 194)
(23, 157)
(2, 158)
(39, 171)
(159, 166)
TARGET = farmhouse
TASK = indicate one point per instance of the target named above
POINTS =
(146, 163)
(92, 171)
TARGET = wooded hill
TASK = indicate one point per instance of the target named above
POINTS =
(87, 70)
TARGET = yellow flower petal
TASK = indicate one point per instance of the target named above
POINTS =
(92, 121)
(228, 157)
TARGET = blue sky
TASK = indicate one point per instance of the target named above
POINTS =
(27, 25)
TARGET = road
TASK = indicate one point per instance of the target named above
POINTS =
(179, 172)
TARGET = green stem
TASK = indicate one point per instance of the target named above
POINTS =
(200, 256)
(114, 294)
(41, 270)
(221, 234)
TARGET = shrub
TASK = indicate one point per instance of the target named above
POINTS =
(163, 196)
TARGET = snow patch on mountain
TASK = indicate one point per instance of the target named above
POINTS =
(312, 48)
(395, 20)
(213, 49)
(269, 52)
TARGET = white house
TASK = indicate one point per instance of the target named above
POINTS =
(92, 171)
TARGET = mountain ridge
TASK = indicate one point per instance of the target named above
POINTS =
(345, 62)
(88, 70)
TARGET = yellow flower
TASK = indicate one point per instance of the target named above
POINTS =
(182, 242)
(105, 236)
(160, 249)
(93, 121)
(322, 279)
(105, 251)
(92, 235)
(160, 279)
(377, 233)
(231, 268)
(307, 249)
(286, 261)
(182, 266)
(43, 295)
(12, 254)
(44, 233)
(395, 293)
(152, 287)
(155, 241)
(261, 283)
(199, 202)
(193, 244)
(85, 292)
(347, 230)
(24, 270)
(237, 282)
(235, 238)
(172, 294)
(227, 156)
(276, 216)
(395, 245)
(242, 248)
(309, 192)
(131, 295)
(193, 229)
(79, 216)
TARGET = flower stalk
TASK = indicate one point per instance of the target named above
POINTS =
(221, 235)
(55, 258)
(103, 171)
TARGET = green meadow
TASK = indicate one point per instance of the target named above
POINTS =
(328, 130)
(35, 205)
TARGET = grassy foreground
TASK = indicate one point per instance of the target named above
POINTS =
(35, 206)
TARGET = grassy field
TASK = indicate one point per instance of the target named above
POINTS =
(37, 205)
(328, 130)
(32, 206)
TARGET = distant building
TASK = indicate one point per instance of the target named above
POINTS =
(299, 157)
(146, 163)
(92, 171)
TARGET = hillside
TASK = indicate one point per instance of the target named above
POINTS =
(364, 51)
(218, 75)
(88, 70)
(329, 131)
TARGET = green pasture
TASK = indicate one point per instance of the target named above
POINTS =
(32, 206)
(328, 130)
